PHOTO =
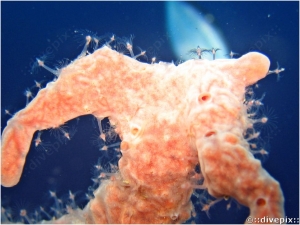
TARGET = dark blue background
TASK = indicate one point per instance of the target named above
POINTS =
(29, 28)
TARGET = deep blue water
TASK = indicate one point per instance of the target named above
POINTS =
(30, 29)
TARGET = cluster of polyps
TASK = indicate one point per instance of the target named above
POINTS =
(170, 119)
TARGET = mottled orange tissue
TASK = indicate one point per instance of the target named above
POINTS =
(170, 119)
